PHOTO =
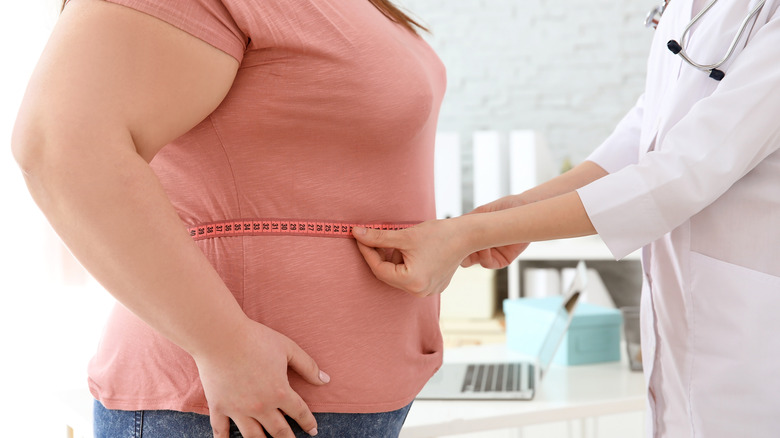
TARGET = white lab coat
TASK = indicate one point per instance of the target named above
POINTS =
(695, 180)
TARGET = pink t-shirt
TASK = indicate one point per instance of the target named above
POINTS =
(332, 116)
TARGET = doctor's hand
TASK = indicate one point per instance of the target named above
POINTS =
(498, 257)
(420, 260)
(247, 382)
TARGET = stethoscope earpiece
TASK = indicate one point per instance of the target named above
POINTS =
(717, 74)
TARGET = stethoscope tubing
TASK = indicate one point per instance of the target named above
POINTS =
(734, 42)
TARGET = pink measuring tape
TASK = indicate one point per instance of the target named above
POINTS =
(284, 227)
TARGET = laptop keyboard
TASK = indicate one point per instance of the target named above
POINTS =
(503, 377)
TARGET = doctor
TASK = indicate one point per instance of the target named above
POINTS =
(692, 176)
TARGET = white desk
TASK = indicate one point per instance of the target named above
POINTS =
(576, 248)
(567, 393)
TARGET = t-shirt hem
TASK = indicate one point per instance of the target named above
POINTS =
(358, 408)
(172, 405)
(146, 405)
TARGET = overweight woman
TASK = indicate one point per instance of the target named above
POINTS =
(174, 145)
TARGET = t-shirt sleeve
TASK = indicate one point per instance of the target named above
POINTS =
(208, 20)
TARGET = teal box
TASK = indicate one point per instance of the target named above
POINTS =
(594, 334)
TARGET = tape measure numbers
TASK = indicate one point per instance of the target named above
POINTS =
(284, 227)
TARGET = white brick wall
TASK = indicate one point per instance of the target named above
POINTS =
(567, 68)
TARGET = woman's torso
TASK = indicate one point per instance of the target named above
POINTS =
(331, 117)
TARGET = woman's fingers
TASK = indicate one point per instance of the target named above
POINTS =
(423, 257)
(303, 364)
(396, 257)
(379, 238)
(293, 405)
(220, 425)
(373, 256)
(383, 251)
(268, 418)
(388, 272)
(248, 383)
(471, 260)
(297, 409)
(272, 421)
(251, 428)
(494, 258)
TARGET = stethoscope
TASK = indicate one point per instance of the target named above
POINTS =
(677, 48)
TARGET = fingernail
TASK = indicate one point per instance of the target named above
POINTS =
(359, 230)
(313, 432)
(324, 377)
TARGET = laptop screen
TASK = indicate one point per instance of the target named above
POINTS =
(562, 319)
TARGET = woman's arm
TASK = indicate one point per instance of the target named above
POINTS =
(112, 87)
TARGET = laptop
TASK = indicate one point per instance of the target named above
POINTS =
(517, 380)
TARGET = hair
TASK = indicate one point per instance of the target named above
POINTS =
(393, 13)
(385, 6)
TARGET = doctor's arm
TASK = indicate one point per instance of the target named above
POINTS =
(112, 87)
(427, 256)
(433, 250)
(500, 256)
(619, 150)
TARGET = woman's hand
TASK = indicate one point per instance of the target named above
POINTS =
(247, 382)
(423, 258)
(499, 257)
(420, 260)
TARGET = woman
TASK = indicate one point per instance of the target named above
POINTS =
(692, 176)
(145, 120)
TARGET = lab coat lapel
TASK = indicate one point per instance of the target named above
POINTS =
(708, 43)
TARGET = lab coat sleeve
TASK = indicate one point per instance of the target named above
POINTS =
(620, 149)
(722, 138)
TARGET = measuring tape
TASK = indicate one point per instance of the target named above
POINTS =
(284, 227)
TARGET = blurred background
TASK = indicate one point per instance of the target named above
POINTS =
(568, 69)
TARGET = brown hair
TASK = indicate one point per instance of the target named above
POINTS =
(392, 12)
(385, 6)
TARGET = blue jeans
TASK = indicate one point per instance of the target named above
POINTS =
(111, 423)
